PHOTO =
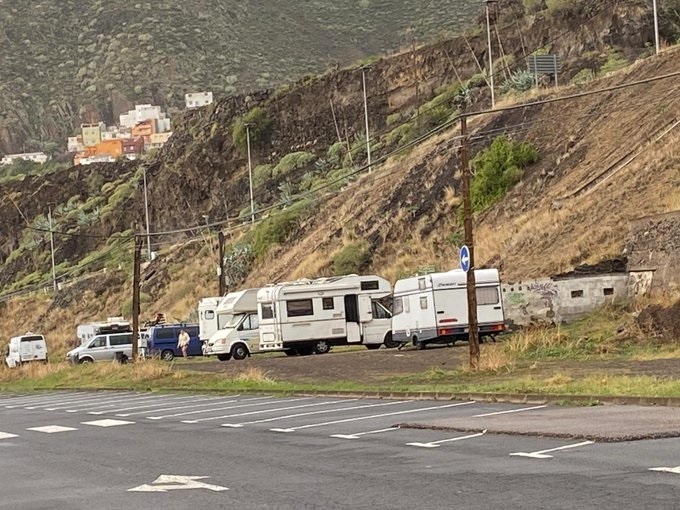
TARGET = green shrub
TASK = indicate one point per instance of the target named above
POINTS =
(402, 134)
(520, 81)
(565, 8)
(336, 152)
(477, 80)
(394, 118)
(261, 174)
(293, 161)
(259, 128)
(276, 229)
(497, 169)
(534, 6)
(352, 259)
(583, 76)
(615, 61)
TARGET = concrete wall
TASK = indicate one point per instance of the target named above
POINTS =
(653, 247)
(552, 301)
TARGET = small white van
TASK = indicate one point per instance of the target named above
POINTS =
(240, 335)
(25, 349)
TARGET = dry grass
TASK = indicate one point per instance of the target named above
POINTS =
(253, 375)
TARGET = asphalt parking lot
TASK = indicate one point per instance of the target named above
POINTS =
(133, 450)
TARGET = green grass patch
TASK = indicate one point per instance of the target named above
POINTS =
(352, 259)
(276, 229)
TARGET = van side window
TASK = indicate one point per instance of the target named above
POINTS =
(99, 341)
(120, 339)
(300, 308)
(253, 321)
(328, 303)
(164, 334)
(370, 285)
(423, 303)
(398, 305)
(209, 315)
(267, 311)
(487, 296)
(407, 304)
(379, 312)
(421, 283)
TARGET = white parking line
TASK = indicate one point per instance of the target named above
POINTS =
(541, 454)
(107, 423)
(276, 409)
(509, 411)
(43, 400)
(164, 402)
(360, 434)
(151, 408)
(7, 435)
(36, 396)
(674, 470)
(436, 444)
(92, 398)
(74, 407)
(370, 417)
(278, 418)
(51, 429)
(264, 401)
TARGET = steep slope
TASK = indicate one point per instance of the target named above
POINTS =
(68, 62)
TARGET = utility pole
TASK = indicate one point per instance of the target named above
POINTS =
(250, 175)
(473, 335)
(136, 276)
(220, 267)
(54, 271)
(146, 212)
(368, 137)
(488, 36)
(656, 26)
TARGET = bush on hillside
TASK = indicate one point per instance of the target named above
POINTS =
(534, 6)
(337, 152)
(520, 81)
(565, 8)
(261, 174)
(292, 161)
(276, 229)
(259, 128)
(352, 259)
(497, 169)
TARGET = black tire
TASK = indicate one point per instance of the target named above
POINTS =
(239, 351)
(305, 350)
(224, 356)
(389, 342)
(291, 352)
(167, 355)
(322, 347)
(85, 361)
(419, 344)
(372, 347)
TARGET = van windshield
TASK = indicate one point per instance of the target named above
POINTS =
(234, 321)
(223, 319)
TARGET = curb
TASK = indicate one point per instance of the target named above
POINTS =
(511, 398)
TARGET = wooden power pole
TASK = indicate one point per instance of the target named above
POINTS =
(220, 267)
(136, 276)
(473, 335)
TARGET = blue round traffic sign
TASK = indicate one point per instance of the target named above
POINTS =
(465, 258)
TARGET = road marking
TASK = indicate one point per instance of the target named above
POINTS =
(36, 397)
(144, 406)
(51, 429)
(674, 470)
(203, 402)
(360, 434)
(165, 483)
(268, 402)
(287, 417)
(541, 454)
(270, 410)
(369, 417)
(436, 444)
(6, 435)
(510, 411)
(43, 400)
(107, 423)
(74, 407)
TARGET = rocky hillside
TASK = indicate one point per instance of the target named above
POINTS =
(568, 200)
(70, 61)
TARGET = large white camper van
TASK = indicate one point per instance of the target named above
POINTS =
(209, 320)
(238, 336)
(433, 308)
(310, 316)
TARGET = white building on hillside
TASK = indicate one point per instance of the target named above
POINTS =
(35, 157)
(142, 113)
(198, 99)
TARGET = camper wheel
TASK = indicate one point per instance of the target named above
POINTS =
(418, 344)
(167, 355)
(291, 352)
(322, 347)
(239, 351)
(224, 356)
(83, 361)
(390, 343)
(372, 347)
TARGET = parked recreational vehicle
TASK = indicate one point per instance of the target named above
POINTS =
(239, 336)
(433, 308)
(24, 349)
(209, 320)
(87, 331)
(309, 316)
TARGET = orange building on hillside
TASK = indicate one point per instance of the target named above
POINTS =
(87, 152)
(144, 130)
(113, 148)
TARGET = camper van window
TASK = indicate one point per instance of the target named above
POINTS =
(398, 306)
(423, 303)
(209, 315)
(407, 305)
(267, 311)
(98, 341)
(300, 308)
(421, 283)
(379, 312)
(328, 303)
(165, 333)
(120, 339)
(223, 319)
(487, 296)
(370, 285)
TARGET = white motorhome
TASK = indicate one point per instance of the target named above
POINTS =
(310, 316)
(433, 308)
(209, 320)
(239, 336)
(24, 349)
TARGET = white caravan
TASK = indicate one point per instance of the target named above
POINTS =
(209, 320)
(433, 308)
(310, 316)
(239, 336)
(25, 348)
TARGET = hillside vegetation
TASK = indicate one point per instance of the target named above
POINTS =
(70, 61)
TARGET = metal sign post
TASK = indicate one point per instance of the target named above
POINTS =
(544, 64)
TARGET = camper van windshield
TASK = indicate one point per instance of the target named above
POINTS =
(234, 321)
(223, 319)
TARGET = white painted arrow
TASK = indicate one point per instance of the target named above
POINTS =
(436, 444)
(166, 483)
(361, 434)
(541, 454)
(674, 470)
